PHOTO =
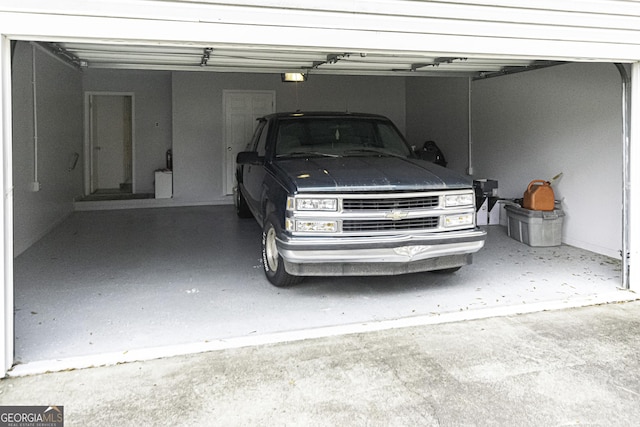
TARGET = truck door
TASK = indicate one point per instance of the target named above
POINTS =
(253, 175)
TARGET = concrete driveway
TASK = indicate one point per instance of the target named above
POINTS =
(566, 367)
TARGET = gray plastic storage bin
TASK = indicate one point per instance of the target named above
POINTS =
(535, 228)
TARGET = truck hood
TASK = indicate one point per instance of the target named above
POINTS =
(353, 174)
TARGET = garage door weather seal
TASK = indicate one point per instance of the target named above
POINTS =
(626, 166)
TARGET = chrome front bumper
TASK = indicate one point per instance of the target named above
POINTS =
(382, 249)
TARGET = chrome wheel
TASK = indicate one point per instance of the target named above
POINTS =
(271, 250)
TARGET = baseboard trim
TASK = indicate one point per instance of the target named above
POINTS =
(146, 203)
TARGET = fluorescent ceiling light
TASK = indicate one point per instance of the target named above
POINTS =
(294, 77)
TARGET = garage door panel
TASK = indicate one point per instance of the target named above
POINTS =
(446, 27)
(340, 14)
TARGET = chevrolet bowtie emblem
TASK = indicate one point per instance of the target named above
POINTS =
(396, 215)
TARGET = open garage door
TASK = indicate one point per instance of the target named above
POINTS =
(167, 42)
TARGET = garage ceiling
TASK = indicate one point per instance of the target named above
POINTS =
(279, 60)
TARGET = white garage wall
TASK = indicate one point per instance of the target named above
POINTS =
(198, 117)
(563, 119)
(59, 101)
(438, 110)
(362, 94)
(152, 115)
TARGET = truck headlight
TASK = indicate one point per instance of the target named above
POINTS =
(458, 220)
(312, 204)
(318, 226)
(455, 200)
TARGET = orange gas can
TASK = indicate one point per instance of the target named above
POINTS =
(539, 196)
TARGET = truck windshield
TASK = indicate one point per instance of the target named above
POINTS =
(341, 137)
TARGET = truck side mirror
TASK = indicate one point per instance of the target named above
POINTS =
(248, 158)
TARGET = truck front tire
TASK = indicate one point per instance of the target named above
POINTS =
(271, 259)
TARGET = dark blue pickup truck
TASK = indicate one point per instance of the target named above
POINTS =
(344, 194)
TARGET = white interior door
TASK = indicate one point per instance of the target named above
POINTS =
(111, 142)
(241, 109)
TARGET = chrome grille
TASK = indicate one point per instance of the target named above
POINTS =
(427, 202)
(388, 225)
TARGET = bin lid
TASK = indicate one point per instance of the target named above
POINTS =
(556, 213)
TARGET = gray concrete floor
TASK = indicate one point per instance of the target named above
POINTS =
(125, 280)
(556, 368)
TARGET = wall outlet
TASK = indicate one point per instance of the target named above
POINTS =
(34, 186)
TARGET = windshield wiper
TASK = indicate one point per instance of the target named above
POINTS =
(306, 154)
(372, 150)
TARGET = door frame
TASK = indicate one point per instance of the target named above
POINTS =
(225, 153)
(88, 138)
